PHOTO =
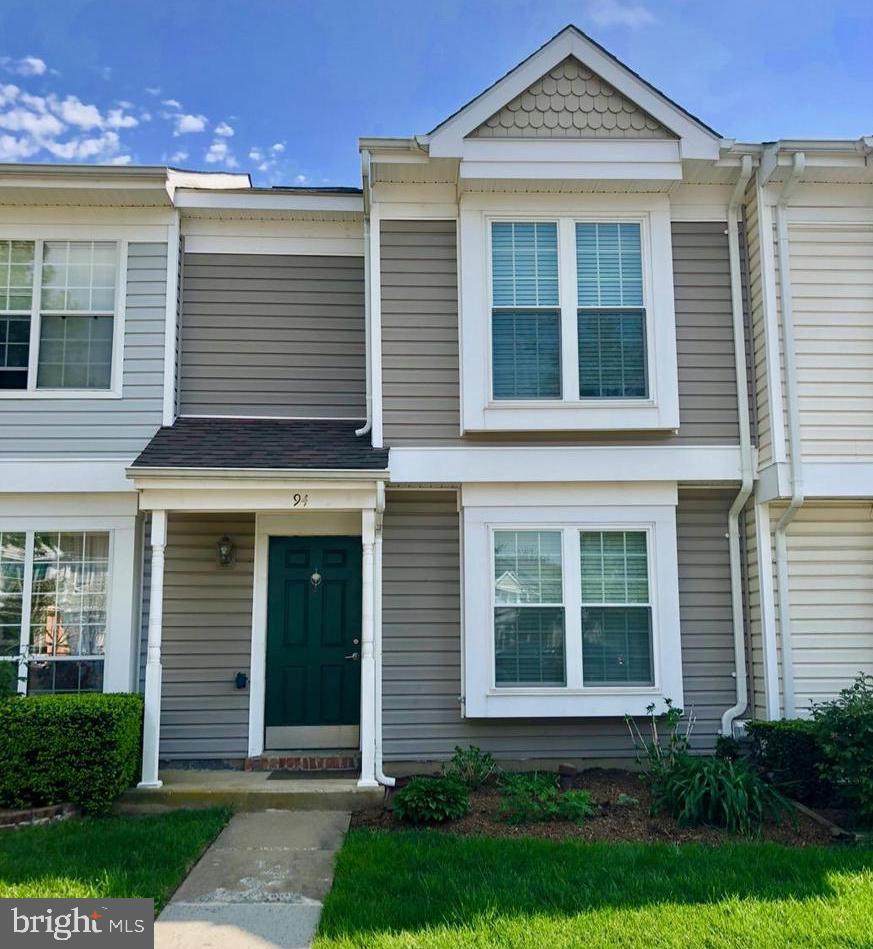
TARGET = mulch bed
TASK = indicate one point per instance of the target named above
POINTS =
(613, 822)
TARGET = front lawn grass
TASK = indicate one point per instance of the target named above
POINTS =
(107, 857)
(435, 890)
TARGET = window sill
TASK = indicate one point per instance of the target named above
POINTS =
(588, 415)
(58, 394)
(565, 703)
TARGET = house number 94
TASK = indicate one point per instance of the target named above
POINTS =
(300, 500)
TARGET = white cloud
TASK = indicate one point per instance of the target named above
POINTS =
(39, 125)
(26, 66)
(185, 123)
(118, 119)
(170, 103)
(153, 90)
(13, 148)
(220, 154)
(178, 157)
(224, 130)
(103, 147)
(301, 179)
(120, 160)
(75, 112)
(256, 154)
(278, 148)
(619, 13)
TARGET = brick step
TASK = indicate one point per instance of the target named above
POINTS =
(310, 760)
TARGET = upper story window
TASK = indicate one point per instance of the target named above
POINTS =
(567, 313)
(527, 321)
(58, 316)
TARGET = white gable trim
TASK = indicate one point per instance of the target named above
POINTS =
(696, 140)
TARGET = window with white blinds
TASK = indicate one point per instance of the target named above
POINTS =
(611, 318)
(530, 329)
(616, 609)
(525, 316)
(528, 609)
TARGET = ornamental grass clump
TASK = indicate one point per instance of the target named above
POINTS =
(471, 766)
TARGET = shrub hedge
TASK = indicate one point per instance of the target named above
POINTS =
(790, 753)
(83, 749)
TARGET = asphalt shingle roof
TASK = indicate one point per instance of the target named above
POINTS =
(262, 443)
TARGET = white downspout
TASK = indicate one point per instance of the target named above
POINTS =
(368, 361)
(789, 348)
(746, 464)
(381, 777)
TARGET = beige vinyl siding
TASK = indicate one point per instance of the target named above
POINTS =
(832, 295)
(760, 403)
(207, 631)
(420, 350)
(273, 335)
(422, 639)
(104, 428)
(830, 569)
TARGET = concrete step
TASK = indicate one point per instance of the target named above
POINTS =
(247, 791)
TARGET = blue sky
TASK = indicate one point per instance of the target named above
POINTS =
(283, 89)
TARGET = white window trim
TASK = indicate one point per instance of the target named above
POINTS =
(118, 318)
(483, 699)
(121, 601)
(660, 411)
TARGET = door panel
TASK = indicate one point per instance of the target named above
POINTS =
(313, 626)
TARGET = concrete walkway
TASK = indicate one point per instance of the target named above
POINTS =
(260, 885)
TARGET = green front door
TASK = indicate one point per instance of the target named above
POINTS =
(313, 638)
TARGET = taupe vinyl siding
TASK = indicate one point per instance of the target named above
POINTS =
(273, 335)
(207, 631)
(104, 428)
(422, 640)
(420, 354)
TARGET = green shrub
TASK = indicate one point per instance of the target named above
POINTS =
(431, 800)
(471, 766)
(520, 805)
(626, 800)
(845, 730)
(790, 754)
(717, 791)
(83, 749)
(8, 679)
(728, 747)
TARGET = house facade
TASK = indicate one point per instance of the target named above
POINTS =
(567, 411)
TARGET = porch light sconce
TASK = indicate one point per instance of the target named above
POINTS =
(225, 551)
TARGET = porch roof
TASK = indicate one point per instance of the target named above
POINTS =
(244, 443)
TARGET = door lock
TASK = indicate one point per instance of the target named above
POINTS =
(353, 656)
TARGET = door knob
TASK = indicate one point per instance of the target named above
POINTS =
(354, 656)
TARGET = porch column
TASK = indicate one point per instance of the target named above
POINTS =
(152, 721)
(368, 662)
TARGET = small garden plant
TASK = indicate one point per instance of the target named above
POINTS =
(427, 800)
(471, 766)
(535, 797)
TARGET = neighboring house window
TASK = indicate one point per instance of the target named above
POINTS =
(611, 317)
(60, 628)
(616, 612)
(525, 315)
(57, 315)
(528, 608)
(16, 302)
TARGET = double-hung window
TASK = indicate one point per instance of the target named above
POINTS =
(568, 315)
(58, 313)
(570, 608)
(53, 608)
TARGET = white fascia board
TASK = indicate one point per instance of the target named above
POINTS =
(36, 510)
(59, 474)
(838, 479)
(260, 201)
(696, 141)
(573, 170)
(251, 477)
(571, 150)
(439, 465)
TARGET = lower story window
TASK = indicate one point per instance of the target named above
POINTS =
(57, 630)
